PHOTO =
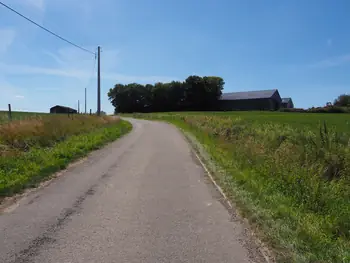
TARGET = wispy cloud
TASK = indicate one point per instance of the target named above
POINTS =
(79, 74)
(7, 37)
(332, 62)
(71, 63)
(19, 97)
(39, 4)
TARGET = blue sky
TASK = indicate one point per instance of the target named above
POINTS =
(300, 47)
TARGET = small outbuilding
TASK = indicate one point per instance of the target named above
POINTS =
(251, 100)
(287, 103)
(62, 109)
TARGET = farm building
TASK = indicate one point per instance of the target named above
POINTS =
(62, 109)
(251, 100)
(287, 103)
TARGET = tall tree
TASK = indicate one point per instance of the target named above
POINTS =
(342, 101)
(196, 93)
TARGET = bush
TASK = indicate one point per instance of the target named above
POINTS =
(292, 110)
(328, 109)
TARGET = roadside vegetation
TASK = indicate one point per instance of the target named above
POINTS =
(33, 149)
(18, 115)
(289, 174)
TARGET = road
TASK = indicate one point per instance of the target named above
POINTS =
(143, 198)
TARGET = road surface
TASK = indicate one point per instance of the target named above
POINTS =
(143, 198)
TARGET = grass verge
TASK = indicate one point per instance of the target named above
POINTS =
(18, 115)
(19, 170)
(292, 184)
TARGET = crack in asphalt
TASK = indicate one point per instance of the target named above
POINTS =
(28, 254)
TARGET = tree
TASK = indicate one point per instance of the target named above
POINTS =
(342, 101)
(195, 93)
(214, 87)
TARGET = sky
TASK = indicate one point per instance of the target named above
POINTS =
(301, 48)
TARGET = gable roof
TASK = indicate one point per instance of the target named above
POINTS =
(62, 107)
(286, 100)
(247, 95)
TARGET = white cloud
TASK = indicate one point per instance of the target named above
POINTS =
(39, 4)
(329, 42)
(7, 37)
(332, 62)
(19, 97)
(76, 73)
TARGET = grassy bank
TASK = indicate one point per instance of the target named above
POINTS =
(18, 115)
(289, 174)
(32, 150)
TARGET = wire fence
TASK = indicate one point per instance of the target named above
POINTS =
(9, 115)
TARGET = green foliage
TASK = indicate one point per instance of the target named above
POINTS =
(51, 149)
(195, 93)
(328, 109)
(342, 101)
(288, 173)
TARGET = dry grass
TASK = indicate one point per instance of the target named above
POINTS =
(32, 149)
(45, 131)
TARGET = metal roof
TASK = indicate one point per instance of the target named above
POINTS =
(286, 100)
(247, 95)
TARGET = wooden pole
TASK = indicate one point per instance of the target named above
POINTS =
(98, 81)
(85, 100)
(10, 113)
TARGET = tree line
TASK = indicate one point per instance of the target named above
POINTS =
(194, 94)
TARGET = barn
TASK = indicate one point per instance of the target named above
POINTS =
(287, 103)
(251, 100)
(62, 109)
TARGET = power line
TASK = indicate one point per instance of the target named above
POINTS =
(47, 30)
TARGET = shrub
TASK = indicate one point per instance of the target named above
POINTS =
(328, 109)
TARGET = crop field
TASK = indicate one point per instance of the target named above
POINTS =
(18, 115)
(299, 121)
(288, 173)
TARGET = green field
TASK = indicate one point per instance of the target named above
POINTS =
(301, 121)
(288, 173)
(18, 115)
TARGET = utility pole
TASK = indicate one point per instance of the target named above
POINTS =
(85, 100)
(10, 113)
(78, 106)
(98, 82)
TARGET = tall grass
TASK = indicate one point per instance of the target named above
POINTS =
(31, 150)
(292, 182)
(46, 131)
(19, 115)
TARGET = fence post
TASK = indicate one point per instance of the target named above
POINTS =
(10, 113)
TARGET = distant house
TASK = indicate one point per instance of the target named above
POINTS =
(62, 109)
(287, 103)
(251, 100)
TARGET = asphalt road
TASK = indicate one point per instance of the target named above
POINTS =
(143, 198)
